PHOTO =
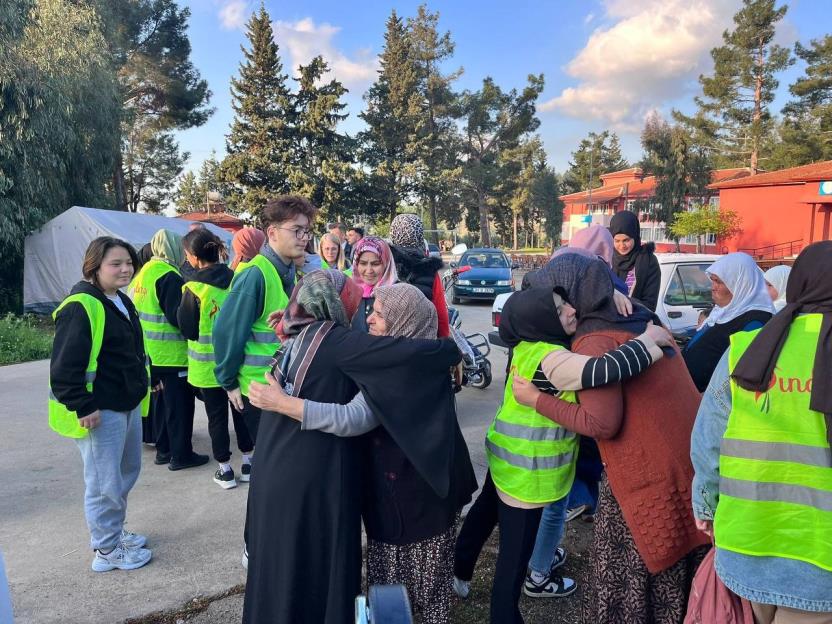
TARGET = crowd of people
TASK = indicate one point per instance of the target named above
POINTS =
(333, 363)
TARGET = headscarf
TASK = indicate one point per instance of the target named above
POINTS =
(407, 230)
(319, 296)
(809, 291)
(745, 280)
(778, 277)
(587, 285)
(625, 222)
(532, 316)
(595, 239)
(246, 244)
(407, 312)
(382, 250)
(167, 246)
(144, 255)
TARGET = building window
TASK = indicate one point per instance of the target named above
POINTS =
(646, 234)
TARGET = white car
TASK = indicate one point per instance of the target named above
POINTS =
(684, 292)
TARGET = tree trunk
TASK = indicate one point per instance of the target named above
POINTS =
(485, 235)
(758, 111)
(514, 230)
(118, 184)
(433, 226)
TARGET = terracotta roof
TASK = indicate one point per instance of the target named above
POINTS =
(211, 217)
(794, 175)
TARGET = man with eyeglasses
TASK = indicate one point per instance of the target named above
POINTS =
(243, 341)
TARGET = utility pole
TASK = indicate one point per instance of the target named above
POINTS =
(589, 205)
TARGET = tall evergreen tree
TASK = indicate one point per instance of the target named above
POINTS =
(189, 195)
(733, 118)
(392, 111)
(494, 121)
(260, 143)
(152, 165)
(597, 154)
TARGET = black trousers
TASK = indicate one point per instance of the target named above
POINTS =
(518, 531)
(173, 417)
(216, 407)
(251, 416)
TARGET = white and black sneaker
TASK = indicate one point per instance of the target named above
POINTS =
(559, 559)
(121, 558)
(245, 472)
(225, 479)
(551, 586)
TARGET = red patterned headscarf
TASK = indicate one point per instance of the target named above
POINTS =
(377, 246)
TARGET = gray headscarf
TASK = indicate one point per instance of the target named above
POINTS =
(167, 246)
(407, 311)
(407, 231)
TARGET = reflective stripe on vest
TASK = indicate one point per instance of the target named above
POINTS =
(201, 361)
(775, 464)
(531, 458)
(164, 343)
(262, 342)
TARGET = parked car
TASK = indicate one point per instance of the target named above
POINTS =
(487, 274)
(685, 291)
(433, 251)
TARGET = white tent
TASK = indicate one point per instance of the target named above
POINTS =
(53, 255)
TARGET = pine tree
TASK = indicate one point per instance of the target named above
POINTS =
(189, 196)
(597, 154)
(391, 115)
(260, 143)
(151, 166)
(733, 118)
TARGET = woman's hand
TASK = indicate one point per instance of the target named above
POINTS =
(274, 318)
(706, 526)
(90, 421)
(660, 335)
(622, 303)
(158, 387)
(269, 396)
(524, 391)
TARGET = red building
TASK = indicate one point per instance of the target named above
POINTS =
(781, 211)
(620, 190)
(221, 219)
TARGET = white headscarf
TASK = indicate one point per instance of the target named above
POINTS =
(778, 277)
(745, 280)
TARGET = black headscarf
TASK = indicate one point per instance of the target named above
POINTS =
(532, 316)
(625, 222)
(809, 291)
(587, 286)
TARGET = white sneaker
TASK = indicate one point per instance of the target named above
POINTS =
(133, 540)
(245, 558)
(120, 557)
(462, 588)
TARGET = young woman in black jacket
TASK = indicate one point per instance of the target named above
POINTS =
(633, 262)
(98, 376)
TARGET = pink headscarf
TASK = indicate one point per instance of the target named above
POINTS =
(382, 250)
(596, 239)
(246, 244)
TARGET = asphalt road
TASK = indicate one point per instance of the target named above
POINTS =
(194, 527)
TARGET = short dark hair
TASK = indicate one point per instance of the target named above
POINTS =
(357, 230)
(337, 224)
(203, 244)
(96, 251)
(286, 207)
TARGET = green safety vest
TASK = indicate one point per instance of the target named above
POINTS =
(262, 342)
(775, 463)
(201, 361)
(62, 420)
(325, 266)
(531, 458)
(164, 343)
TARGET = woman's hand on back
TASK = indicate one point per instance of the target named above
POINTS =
(524, 391)
(660, 335)
(622, 303)
(274, 318)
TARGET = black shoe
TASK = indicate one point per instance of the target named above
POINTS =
(162, 459)
(195, 460)
(245, 473)
(225, 480)
(553, 586)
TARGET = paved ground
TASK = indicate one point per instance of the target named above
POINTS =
(195, 528)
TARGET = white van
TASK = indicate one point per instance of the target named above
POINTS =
(684, 292)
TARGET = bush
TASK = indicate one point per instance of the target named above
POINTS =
(25, 338)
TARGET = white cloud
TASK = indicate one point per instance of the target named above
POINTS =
(653, 52)
(589, 18)
(232, 14)
(304, 40)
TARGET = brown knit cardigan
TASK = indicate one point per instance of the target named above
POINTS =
(643, 430)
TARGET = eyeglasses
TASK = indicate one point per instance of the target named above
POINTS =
(300, 233)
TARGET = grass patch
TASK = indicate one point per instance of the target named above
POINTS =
(25, 338)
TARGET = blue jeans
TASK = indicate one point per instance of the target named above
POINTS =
(112, 454)
(581, 495)
(549, 534)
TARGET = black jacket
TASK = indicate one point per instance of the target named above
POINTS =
(169, 293)
(187, 316)
(648, 276)
(121, 378)
(417, 270)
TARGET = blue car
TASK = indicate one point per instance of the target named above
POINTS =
(489, 275)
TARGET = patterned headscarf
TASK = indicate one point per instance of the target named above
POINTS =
(407, 231)
(382, 250)
(407, 311)
(167, 246)
(246, 244)
(319, 296)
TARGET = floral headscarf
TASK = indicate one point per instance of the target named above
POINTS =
(319, 296)
(382, 250)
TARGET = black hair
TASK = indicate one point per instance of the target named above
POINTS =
(203, 244)
(357, 230)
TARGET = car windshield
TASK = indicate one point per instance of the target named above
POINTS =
(484, 260)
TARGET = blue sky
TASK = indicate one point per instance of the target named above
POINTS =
(607, 63)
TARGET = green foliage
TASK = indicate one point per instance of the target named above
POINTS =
(152, 164)
(24, 338)
(596, 155)
(260, 143)
(189, 195)
(704, 220)
(733, 118)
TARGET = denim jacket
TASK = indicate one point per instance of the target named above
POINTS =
(768, 580)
